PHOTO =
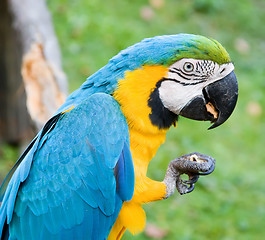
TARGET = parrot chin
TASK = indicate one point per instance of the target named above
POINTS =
(216, 103)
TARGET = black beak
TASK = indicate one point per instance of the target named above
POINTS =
(220, 95)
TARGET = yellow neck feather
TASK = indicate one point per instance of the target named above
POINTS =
(132, 94)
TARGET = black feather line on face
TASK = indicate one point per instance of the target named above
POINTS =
(160, 116)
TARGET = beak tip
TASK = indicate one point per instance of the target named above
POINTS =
(213, 126)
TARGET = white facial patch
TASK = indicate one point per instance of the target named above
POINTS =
(175, 96)
(186, 79)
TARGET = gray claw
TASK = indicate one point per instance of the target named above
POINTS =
(194, 165)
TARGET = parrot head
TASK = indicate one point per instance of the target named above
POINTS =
(196, 89)
(197, 80)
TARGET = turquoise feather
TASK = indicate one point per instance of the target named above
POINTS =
(71, 186)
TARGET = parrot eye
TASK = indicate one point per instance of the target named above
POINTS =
(188, 67)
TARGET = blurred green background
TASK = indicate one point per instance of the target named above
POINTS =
(230, 203)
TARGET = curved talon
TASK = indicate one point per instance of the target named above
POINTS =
(191, 188)
(192, 179)
(207, 172)
(183, 189)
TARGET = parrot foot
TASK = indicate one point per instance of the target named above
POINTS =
(193, 165)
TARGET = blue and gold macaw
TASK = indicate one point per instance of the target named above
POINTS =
(84, 174)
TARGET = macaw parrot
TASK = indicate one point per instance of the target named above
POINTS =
(84, 175)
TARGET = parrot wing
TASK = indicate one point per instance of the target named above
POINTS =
(81, 171)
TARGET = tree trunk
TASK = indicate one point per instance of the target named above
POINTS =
(32, 83)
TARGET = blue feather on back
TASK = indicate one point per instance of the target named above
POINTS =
(65, 186)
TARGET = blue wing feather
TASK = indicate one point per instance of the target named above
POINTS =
(123, 174)
(65, 185)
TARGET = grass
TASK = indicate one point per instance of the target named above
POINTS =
(230, 203)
